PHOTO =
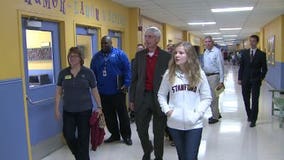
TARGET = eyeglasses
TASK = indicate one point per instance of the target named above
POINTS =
(74, 56)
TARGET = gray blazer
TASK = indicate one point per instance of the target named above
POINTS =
(137, 87)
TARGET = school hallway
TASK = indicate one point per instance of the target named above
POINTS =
(230, 139)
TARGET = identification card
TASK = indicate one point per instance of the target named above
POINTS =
(104, 73)
(68, 77)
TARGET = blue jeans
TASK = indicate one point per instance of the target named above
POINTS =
(187, 142)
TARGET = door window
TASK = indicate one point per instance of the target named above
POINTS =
(39, 58)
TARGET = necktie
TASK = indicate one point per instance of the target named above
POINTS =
(251, 56)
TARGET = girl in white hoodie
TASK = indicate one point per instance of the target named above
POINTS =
(189, 97)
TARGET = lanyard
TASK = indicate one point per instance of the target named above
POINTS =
(106, 58)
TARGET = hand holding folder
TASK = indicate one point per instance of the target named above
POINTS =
(218, 90)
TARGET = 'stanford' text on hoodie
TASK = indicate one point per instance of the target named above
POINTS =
(188, 103)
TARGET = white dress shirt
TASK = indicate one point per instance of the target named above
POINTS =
(213, 62)
(253, 51)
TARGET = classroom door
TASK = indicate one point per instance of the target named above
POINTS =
(116, 37)
(41, 67)
(87, 41)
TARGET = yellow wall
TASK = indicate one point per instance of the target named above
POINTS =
(275, 28)
(172, 34)
(134, 22)
(196, 41)
(147, 22)
(110, 16)
(186, 36)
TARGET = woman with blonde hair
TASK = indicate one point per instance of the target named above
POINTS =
(189, 98)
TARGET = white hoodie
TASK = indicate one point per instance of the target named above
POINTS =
(188, 104)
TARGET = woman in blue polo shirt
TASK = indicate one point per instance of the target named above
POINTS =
(76, 84)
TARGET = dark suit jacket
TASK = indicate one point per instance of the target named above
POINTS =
(137, 87)
(255, 70)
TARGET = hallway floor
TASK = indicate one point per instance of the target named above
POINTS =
(230, 139)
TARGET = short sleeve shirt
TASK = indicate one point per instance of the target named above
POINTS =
(77, 90)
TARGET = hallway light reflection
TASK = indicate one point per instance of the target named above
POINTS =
(202, 148)
(230, 127)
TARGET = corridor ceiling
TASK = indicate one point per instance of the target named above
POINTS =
(180, 12)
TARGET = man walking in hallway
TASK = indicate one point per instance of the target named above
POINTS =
(213, 66)
(149, 66)
(112, 70)
(252, 71)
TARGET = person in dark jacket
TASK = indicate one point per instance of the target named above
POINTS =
(112, 69)
(252, 71)
(149, 66)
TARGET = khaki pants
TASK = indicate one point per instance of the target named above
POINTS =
(213, 81)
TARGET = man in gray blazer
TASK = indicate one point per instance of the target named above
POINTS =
(149, 66)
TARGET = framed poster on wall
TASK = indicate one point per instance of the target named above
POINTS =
(271, 50)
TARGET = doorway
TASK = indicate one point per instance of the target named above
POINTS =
(116, 37)
(87, 41)
(41, 67)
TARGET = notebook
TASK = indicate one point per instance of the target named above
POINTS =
(219, 91)
(119, 81)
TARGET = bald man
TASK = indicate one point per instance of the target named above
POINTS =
(111, 65)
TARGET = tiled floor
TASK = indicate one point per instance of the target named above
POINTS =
(230, 139)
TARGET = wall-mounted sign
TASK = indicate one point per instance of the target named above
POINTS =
(83, 8)
(86, 9)
(49, 4)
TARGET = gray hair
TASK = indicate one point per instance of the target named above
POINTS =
(209, 37)
(156, 31)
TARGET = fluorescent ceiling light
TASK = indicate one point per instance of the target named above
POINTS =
(234, 9)
(222, 44)
(229, 29)
(201, 23)
(212, 33)
(230, 39)
(230, 35)
(217, 38)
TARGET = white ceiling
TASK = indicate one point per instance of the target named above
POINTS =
(179, 12)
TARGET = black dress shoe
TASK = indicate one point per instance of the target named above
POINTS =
(112, 139)
(252, 124)
(212, 120)
(127, 141)
(220, 116)
(147, 156)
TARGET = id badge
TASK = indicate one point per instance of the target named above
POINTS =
(104, 73)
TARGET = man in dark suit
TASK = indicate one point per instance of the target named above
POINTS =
(149, 66)
(253, 69)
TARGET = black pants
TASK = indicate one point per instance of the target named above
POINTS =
(143, 116)
(251, 89)
(112, 106)
(79, 145)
